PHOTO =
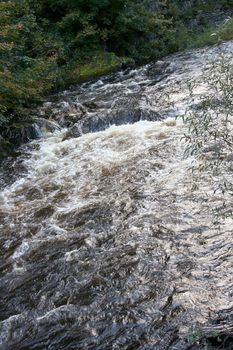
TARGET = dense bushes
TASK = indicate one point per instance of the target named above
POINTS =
(47, 44)
(25, 74)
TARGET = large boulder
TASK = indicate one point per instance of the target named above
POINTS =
(99, 122)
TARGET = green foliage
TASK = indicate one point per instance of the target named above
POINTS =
(24, 75)
(99, 64)
(212, 35)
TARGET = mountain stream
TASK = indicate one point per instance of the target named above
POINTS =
(108, 238)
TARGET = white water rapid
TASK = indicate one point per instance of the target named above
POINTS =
(108, 239)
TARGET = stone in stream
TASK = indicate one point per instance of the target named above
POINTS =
(100, 122)
(21, 133)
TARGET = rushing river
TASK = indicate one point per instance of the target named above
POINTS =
(107, 236)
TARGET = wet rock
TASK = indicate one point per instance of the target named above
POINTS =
(20, 133)
(74, 131)
(64, 106)
(157, 70)
(216, 147)
(65, 113)
(42, 126)
(68, 120)
(91, 105)
(229, 157)
(119, 117)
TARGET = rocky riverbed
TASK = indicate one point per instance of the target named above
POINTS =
(108, 238)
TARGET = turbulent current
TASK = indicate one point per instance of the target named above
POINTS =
(108, 238)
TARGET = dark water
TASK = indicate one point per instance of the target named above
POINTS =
(105, 241)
